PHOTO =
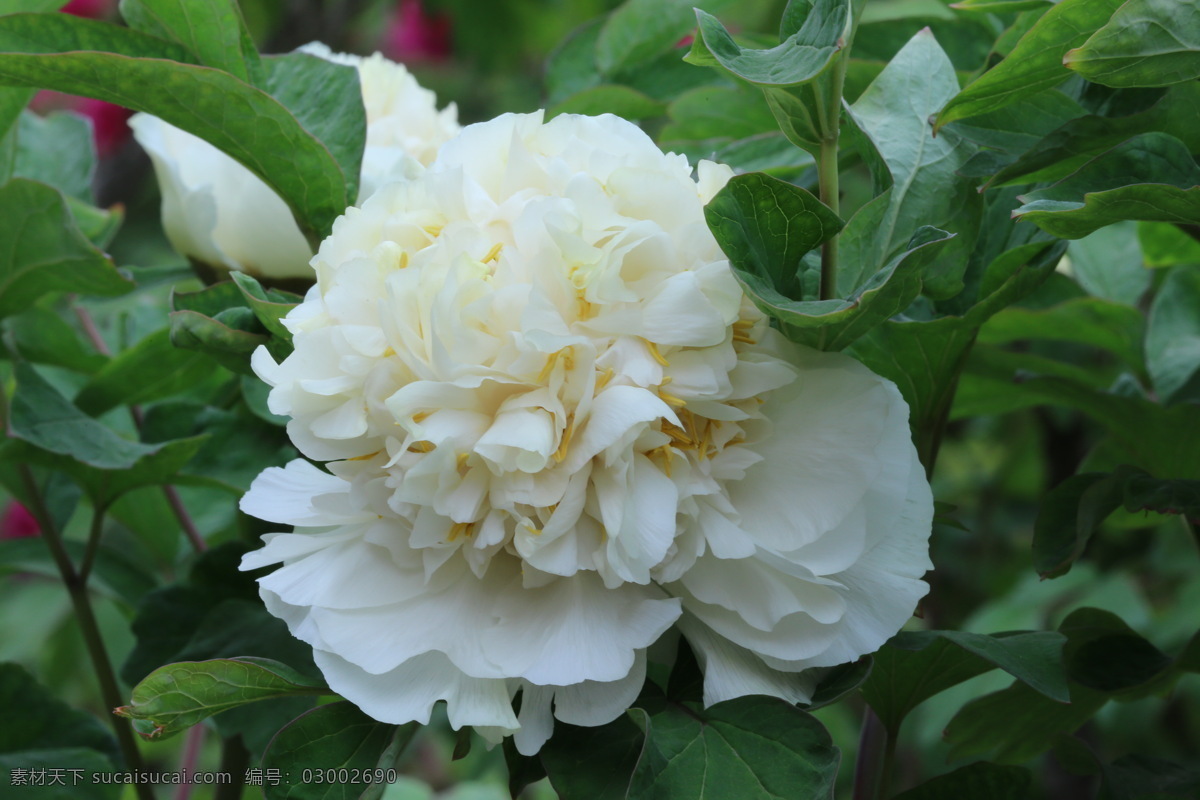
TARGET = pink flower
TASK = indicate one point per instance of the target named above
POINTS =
(88, 8)
(415, 35)
(18, 523)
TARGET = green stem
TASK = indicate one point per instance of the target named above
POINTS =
(82, 604)
(827, 169)
(235, 760)
(868, 766)
(93, 544)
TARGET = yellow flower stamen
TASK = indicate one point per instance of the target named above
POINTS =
(367, 457)
(422, 446)
(402, 260)
(657, 356)
(672, 400)
(546, 370)
(461, 461)
(494, 253)
(604, 378)
(738, 336)
(421, 416)
(561, 452)
(464, 529)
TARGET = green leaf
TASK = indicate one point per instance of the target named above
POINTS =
(1108, 264)
(839, 681)
(609, 99)
(1009, 133)
(1150, 177)
(151, 369)
(1164, 245)
(1068, 515)
(18, 6)
(335, 736)
(639, 30)
(212, 30)
(1105, 654)
(230, 346)
(1146, 43)
(1002, 6)
(41, 336)
(799, 58)
(754, 747)
(1035, 63)
(305, 141)
(175, 697)
(80, 768)
(1173, 336)
(1064, 150)
(914, 666)
(52, 432)
(722, 113)
(894, 112)
(42, 251)
(57, 150)
(1085, 320)
(114, 573)
(593, 763)
(978, 781)
(571, 66)
(766, 226)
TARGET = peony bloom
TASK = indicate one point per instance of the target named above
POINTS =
(558, 429)
(219, 213)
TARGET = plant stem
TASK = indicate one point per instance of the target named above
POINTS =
(235, 759)
(191, 757)
(827, 169)
(872, 755)
(81, 602)
(93, 544)
(172, 496)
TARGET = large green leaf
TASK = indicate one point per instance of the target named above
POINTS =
(894, 112)
(1150, 177)
(755, 747)
(1036, 61)
(1115, 327)
(51, 432)
(175, 697)
(639, 30)
(303, 136)
(1173, 336)
(914, 666)
(31, 718)
(42, 251)
(1109, 263)
(593, 763)
(150, 370)
(800, 57)
(212, 30)
(1146, 43)
(114, 573)
(978, 781)
(609, 99)
(334, 737)
(41, 336)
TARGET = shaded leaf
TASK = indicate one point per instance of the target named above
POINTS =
(914, 666)
(175, 697)
(1173, 336)
(269, 305)
(42, 251)
(56, 150)
(593, 763)
(609, 99)
(335, 736)
(41, 336)
(32, 718)
(149, 370)
(113, 572)
(1035, 63)
(1085, 320)
(639, 30)
(1146, 43)
(978, 781)
(752, 747)
(1150, 177)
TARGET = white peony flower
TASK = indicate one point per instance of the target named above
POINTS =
(559, 429)
(217, 212)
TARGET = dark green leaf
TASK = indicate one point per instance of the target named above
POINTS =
(1108, 264)
(754, 747)
(839, 681)
(1150, 177)
(894, 112)
(571, 67)
(230, 346)
(1066, 149)
(1068, 516)
(44, 337)
(54, 433)
(1086, 320)
(799, 58)
(1035, 63)
(31, 718)
(978, 781)
(609, 99)
(593, 763)
(113, 573)
(1165, 245)
(915, 666)
(42, 251)
(639, 30)
(335, 736)
(722, 113)
(151, 369)
(1139, 777)
(1106, 655)
(1173, 336)
(1146, 43)
(56, 150)
(305, 141)
(175, 697)
(212, 30)
(1001, 6)
(78, 767)
(766, 226)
